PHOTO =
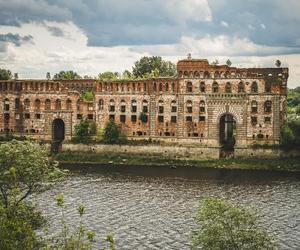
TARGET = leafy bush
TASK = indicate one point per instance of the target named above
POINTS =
(113, 134)
(223, 225)
(88, 96)
(82, 134)
(290, 134)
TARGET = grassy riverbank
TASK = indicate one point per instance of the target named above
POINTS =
(290, 164)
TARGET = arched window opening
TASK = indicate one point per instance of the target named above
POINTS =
(27, 104)
(160, 106)
(189, 106)
(6, 105)
(173, 87)
(202, 107)
(47, 104)
(268, 106)
(69, 104)
(37, 104)
(186, 74)
(101, 104)
(167, 87)
(173, 106)
(145, 106)
(123, 106)
(58, 104)
(215, 87)
(133, 106)
(189, 87)
(254, 107)
(241, 87)
(267, 87)
(78, 105)
(202, 87)
(17, 104)
(196, 74)
(228, 87)
(254, 87)
(112, 106)
(160, 87)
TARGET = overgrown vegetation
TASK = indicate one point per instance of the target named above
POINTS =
(290, 133)
(292, 164)
(224, 225)
(113, 134)
(26, 169)
(87, 96)
(82, 134)
(5, 74)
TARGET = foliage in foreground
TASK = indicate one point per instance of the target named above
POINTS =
(79, 237)
(223, 225)
(25, 169)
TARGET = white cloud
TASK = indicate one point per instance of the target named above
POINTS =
(70, 52)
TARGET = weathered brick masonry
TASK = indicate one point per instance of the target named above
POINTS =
(205, 105)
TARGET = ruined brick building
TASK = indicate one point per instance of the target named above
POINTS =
(206, 105)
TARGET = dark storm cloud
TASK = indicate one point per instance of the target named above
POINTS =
(16, 39)
(141, 22)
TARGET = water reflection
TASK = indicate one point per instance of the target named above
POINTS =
(149, 208)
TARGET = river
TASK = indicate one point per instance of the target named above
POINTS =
(154, 208)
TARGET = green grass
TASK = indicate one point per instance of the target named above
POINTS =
(291, 164)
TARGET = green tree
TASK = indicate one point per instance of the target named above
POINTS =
(88, 96)
(66, 75)
(223, 225)
(113, 134)
(82, 134)
(108, 75)
(5, 74)
(48, 76)
(147, 65)
(24, 169)
(278, 63)
(127, 75)
(228, 63)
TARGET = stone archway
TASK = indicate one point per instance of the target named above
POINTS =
(227, 131)
(58, 130)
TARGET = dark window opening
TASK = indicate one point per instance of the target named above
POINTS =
(90, 116)
(38, 116)
(122, 118)
(189, 118)
(160, 109)
(201, 118)
(174, 109)
(253, 120)
(27, 116)
(79, 116)
(174, 119)
(267, 119)
(160, 119)
(133, 118)
(112, 118)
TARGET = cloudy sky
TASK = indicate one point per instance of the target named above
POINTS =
(92, 36)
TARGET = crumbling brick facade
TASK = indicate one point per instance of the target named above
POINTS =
(204, 104)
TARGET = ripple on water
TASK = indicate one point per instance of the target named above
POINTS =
(158, 212)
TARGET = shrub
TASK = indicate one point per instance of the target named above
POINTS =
(82, 132)
(223, 225)
(113, 134)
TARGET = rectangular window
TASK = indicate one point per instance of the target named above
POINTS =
(112, 118)
(145, 109)
(160, 109)
(267, 119)
(90, 116)
(79, 116)
(190, 109)
(189, 118)
(38, 116)
(253, 120)
(123, 108)
(174, 109)
(133, 118)
(201, 118)
(111, 108)
(160, 118)
(27, 116)
(174, 119)
(133, 109)
(122, 118)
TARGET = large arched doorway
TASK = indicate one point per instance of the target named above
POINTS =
(58, 130)
(227, 132)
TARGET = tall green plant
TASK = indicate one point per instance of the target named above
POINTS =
(113, 134)
(223, 225)
(82, 134)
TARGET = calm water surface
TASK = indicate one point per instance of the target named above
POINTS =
(153, 208)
